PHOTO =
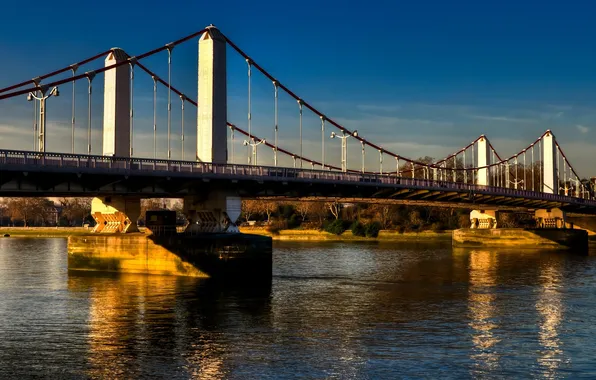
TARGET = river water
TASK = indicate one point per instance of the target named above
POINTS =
(332, 310)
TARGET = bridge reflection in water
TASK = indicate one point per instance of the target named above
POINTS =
(346, 310)
(163, 325)
(550, 308)
(481, 304)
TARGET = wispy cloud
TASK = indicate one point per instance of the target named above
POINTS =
(501, 118)
(582, 128)
(378, 108)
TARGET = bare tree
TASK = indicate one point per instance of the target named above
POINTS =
(335, 208)
(304, 209)
(3, 211)
(382, 213)
(249, 208)
(75, 210)
(28, 209)
(268, 207)
(152, 204)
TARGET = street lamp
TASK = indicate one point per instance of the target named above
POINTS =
(42, 112)
(516, 182)
(344, 147)
(254, 146)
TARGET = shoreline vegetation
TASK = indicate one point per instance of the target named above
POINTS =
(286, 235)
(316, 235)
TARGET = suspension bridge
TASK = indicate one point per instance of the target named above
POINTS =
(538, 178)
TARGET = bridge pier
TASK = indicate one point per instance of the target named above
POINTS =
(550, 218)
(116, 214)
(214, 212)
(483, 219)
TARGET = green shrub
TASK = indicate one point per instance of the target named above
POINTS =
(437, 227)
(336, 227)
(294, 222)
(357, 229)
(372, 229)
(273, 229)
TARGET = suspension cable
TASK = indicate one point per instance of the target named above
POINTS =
(533, 164)
(465, 171)
(322, 141)
(248, 152)
(97, 71)
(525, 171)
(169, 48)
(74, 71)
(300, 128)
(232, 128)
(53, 73)
(35, 124)
(132, 89)
(182, 99)
(90, 75)
(276, 126)
(154, 117)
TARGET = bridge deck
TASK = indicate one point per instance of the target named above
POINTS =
(57, 174)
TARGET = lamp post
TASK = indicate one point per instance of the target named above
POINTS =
(254, 146)
(344, 148)
(42, 112)
(362, 155)
(516, 182)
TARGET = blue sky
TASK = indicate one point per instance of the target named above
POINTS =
(423, 78)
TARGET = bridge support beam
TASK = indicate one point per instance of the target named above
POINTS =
(117, 214)
(550, 218)
(212, 111)
(550, 178)
(483, 219)
(484, 159)
(116, 106)
(216, 212)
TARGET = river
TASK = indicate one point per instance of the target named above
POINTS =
(332, 310)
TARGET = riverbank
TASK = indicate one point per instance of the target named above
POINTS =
(44, 231)
(316, 235)
(299, 235)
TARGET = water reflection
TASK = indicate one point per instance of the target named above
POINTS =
(331, 311)
(162, 326)
(549, 306)
(481, 304)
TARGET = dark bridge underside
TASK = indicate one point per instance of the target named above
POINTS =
(262, 182)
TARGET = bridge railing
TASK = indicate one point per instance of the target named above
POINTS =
(128, 165)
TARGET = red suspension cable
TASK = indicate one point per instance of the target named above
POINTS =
(341, 128)
(53, 73)
(103, 69)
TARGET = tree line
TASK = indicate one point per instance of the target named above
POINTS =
(64, 212)
(39, 212)
(330, 215)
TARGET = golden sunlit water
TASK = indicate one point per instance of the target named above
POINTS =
(331, 310)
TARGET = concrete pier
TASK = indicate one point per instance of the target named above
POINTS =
(521, 238)
(205, 255)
